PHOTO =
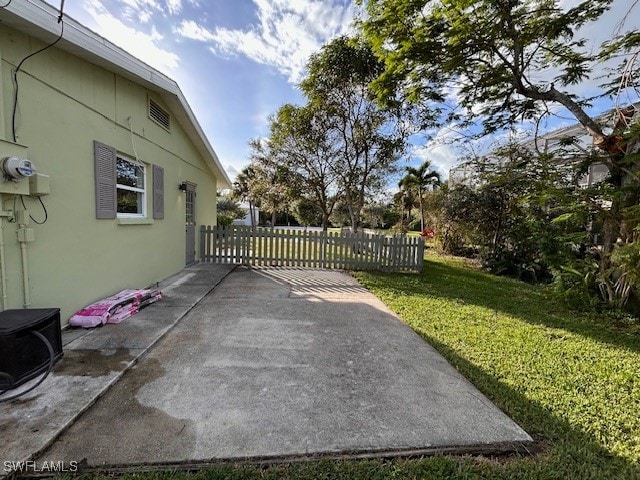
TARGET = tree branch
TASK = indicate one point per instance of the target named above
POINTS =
(599, 138)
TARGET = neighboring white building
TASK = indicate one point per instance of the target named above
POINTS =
(246, 220)
(571, 144)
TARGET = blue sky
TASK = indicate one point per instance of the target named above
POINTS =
(237, 61)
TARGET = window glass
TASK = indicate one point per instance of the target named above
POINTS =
(190, 204)
(130, 174)
(130, 202)
(131, 188)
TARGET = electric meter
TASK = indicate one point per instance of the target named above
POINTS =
(16, 168)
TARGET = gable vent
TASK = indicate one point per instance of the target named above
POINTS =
(159, 114)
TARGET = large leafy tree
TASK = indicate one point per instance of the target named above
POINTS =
(489, 61)
(300, 144)
(490, 53)
(272, 182)
(364, 135)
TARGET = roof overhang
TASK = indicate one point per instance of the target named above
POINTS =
(40, 20)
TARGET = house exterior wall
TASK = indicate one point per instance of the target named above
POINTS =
(65, 103)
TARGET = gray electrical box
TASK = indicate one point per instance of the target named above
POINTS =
(26, 235)
(39, 185)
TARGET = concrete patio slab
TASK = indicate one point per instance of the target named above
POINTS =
(93, 361)
(285, 363)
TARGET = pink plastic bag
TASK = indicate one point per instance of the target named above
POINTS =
(114, 309)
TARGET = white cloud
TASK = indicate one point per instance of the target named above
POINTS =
(287, 33)
(145, 46)
(174, 6)
(448, 147)
(191, 30)
(140, 10)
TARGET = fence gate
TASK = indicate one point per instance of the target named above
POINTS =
(312, 249)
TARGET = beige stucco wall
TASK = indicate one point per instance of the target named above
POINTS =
(65, 104)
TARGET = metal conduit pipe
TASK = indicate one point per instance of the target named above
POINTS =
(24, 235)
(25, 275)
(3, 268)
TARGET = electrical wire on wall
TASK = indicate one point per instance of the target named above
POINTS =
(6, 4)
(15, 73)
(44, 209)
(133, 144)
(24, 207)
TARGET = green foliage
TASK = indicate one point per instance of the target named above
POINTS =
(621, 280)
(272, 183)
(379, 215)
(509, 220)
(417, 181)
(307, 212)
(576, 286)
(243, 189)
(494, 56)
(300, 143)
(367, 138)
(488, 51)
(570, 380)
(228, 211)
(340, 216)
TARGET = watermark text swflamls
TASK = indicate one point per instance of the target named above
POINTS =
(31, 466)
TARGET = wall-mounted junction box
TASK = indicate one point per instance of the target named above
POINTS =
(39, 185)
(26, 235)
(21, 217)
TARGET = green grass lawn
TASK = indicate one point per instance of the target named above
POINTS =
(570, 380)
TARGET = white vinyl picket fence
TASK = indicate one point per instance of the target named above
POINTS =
(311, 249)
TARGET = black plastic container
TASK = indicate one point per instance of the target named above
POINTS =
(23, 355)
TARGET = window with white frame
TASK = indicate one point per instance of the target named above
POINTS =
(131, 185)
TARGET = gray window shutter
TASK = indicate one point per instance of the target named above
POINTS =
(105, 175)
(158, 192)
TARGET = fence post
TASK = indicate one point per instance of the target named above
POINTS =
(203, 240)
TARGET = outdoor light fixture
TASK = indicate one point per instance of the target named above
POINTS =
(183, 187)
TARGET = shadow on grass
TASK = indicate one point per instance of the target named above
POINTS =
(566, 451)
(518, 299)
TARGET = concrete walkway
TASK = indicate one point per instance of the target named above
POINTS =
(93, 362)
(278, 363)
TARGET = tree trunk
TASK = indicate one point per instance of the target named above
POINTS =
(354, 220)
(353, 214)
(252, 215)
(273, 219)
(421, 213)
(325, 221)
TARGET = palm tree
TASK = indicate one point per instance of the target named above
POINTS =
(418, 180)
(242, 190)
(404, 199)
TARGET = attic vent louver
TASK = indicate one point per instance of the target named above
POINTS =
(159, 114)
